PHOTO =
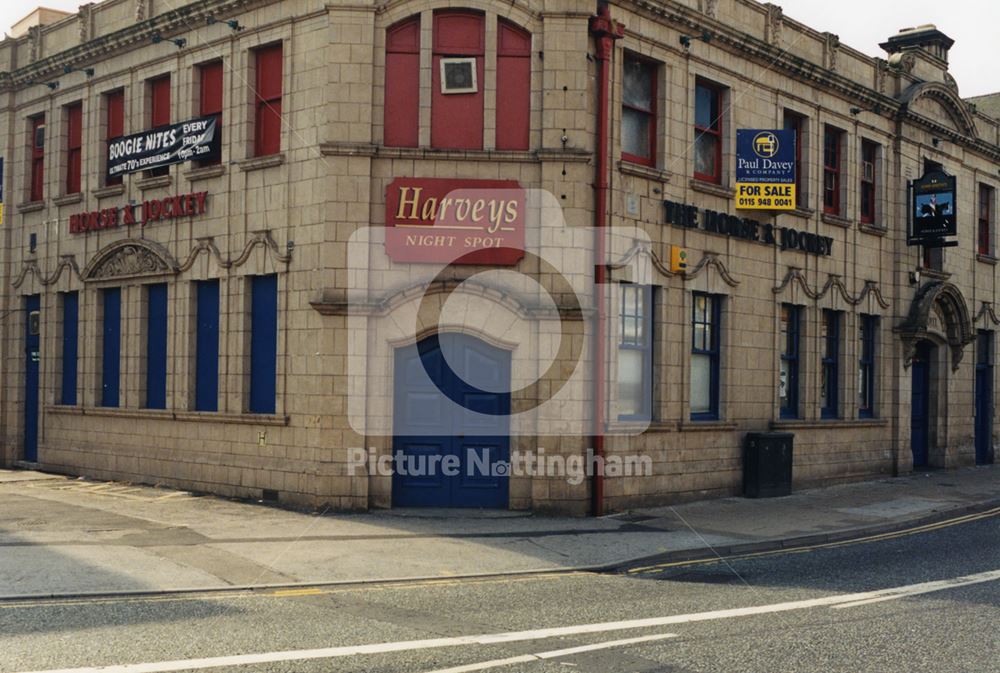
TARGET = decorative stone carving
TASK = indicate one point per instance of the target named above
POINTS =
(831, 45)
(772, 29)
(129, 258)
(84, 21)
(940, 314)
(881, 71)
(34, 40)
(709, 7)
(141, 10)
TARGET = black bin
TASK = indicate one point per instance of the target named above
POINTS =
(767, 464)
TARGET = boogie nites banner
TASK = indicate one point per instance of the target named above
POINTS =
(195, 139)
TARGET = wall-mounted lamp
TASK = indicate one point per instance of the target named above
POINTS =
(686, 40)
(89, 72)
(52, 85)
(179, 41)
(232, 23)
(935, 141)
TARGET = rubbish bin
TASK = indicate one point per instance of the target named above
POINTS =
(767, 464)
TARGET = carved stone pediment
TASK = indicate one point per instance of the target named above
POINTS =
(939, 313)
(130, 258)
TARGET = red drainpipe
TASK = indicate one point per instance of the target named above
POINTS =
(605, 31)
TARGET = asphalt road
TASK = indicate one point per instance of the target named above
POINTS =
(772, 613)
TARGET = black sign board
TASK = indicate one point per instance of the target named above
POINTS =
(195, 139)
(932, 213)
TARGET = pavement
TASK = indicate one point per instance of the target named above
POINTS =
(61, 536)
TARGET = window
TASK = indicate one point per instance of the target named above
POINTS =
(74, 137)
(708, 132)
(866, 366)
(831, 169)
(788, 378)
(156, 346)
(159, 112)
(206, 390)
(797, 123)
(457, 118)
(830, 373)
(705, 321)
(70, 346)
(111, 346)
(210, 98)
(639, 110)
(635, 353)
(114, 104)
(985, 220)
(263, 343)
(267, 119)
(513, 86)
(869, 164)
(402, 84)
(36, 145)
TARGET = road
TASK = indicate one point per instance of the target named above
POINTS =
(773, 612)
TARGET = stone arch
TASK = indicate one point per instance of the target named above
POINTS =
(948, 99)
(937, 300)
(130, 258)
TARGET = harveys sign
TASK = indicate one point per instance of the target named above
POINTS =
(455, 221)
(147, 212)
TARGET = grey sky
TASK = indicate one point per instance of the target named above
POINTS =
(861, 24)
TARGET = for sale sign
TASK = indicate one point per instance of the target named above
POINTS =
(196, 139)
(765, 169)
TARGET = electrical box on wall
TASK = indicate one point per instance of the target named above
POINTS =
(678, 259)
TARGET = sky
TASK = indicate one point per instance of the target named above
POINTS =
(861, 24)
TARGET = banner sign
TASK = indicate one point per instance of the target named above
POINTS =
(765, 169)
(933, 208)
(438, 220)
(196, 139)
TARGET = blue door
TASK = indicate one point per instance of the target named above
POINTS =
(451, 443)
(920, 405)
(984, 398)
(32, 310)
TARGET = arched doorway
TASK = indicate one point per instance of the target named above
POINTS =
(921, 403)
(451, 423)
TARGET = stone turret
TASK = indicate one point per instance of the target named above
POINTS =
(922, 51)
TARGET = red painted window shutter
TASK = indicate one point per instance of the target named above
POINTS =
(267, 131)
(513, 87)
(457, 119)
(115, 102)
(36, 143)
(402, 84)
(159, 90)
(74, 138)
(210, 96)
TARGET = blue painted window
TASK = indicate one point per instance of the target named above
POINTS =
(111, 347)
(866, 366)
(635, 353)
(70, 346)
(156, 346)
(206, 393)
(263, 343)
(788, 377)
(705, 325)
(828, 389)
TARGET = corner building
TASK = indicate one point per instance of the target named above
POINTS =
(256, 324)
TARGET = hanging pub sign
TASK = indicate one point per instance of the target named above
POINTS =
(196, 139)
(765, 169)
(440, 220)
(932, 212)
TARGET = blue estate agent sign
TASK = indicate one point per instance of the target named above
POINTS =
(765, 169)
(194, 139)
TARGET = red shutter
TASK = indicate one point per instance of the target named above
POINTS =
(402, 84)
(513, 87)
(115, 102)
(267, 131)
(210, 96)
(36, 143)
(457, 119)
(159, 90)
(74, 138)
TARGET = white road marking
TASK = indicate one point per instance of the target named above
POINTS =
(552, 654)
(845, 600)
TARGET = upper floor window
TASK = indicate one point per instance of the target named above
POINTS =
(114, 106)
(708, 132)
(267, 98)
(832, 140)
(459, 46)
(401, 110)
(159, 112)
(869, 180)
(639, 110)
(797, 123)
(635, 353)
(985, 220)
(36, 152)
(210, 97)
(74, 142)
(513, 115)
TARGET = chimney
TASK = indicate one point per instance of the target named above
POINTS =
(926, 38)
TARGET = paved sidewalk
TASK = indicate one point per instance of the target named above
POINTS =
(71, 536)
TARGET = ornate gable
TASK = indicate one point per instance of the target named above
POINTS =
(130, 258)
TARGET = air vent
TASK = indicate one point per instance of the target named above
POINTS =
(458, 75)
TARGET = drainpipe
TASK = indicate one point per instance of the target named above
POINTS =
(605, 31)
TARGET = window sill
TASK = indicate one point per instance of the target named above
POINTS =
(494, 155)
(936, 274)
(627, 427)
(168, 415)
(873, 229)
(706, 426)
(835, 220)
(154, 182)
(30, 206)
(712, 188)
(804, 213)
(258, 163)
(640, 171)
(68, 199)
(804, 424)
(110, 190)
(986, 259)
(204, 172)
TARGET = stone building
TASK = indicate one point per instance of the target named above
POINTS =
(497, 233)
